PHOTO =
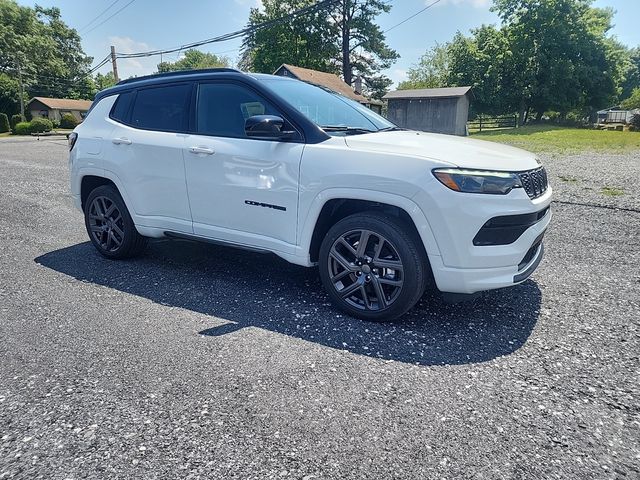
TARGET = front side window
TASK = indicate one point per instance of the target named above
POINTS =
(162, 108)
(223, 109)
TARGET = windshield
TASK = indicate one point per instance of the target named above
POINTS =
(329, 110)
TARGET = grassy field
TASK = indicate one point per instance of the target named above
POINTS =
(552, 139)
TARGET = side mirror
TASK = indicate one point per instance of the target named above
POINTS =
(267, 127)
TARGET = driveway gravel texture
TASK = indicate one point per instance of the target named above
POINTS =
(198, 361)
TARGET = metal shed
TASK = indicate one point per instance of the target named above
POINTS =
(440, 110)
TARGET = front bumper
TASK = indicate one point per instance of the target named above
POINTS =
(466, 266)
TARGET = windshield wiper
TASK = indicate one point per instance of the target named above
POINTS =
(391, 129)
(344, 128)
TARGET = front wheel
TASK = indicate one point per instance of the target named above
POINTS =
(110, 226)
(373, 267)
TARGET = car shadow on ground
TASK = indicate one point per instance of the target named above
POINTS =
(257, 290)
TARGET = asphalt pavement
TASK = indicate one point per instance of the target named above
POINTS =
(198, 361)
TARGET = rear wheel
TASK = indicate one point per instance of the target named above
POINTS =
(110, 226)
(372, 266)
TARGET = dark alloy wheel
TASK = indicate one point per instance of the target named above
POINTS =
(109, 224)
(372, 267)
(106, 224)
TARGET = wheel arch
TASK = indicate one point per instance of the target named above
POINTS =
(89, 183)
(332, 205)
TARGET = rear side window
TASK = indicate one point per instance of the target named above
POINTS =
(162, 108)
(121, 108)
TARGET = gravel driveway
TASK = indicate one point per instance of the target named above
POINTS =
(198, 361)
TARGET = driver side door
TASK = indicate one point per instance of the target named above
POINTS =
(241, 190)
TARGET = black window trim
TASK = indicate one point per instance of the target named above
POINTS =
(188, 107)
(299, 138)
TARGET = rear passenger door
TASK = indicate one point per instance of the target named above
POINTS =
(241, 189)
(146, 154)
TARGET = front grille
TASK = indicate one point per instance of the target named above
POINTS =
(534, 182)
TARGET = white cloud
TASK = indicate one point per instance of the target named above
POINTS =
(473, 3)
(128, 67)
(397, 75)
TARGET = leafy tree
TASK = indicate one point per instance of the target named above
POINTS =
(562, 58)
(633, 101)
(632, 73)
(194, 60)
(104, 81)
(9, 94)
(431, 71)
(305, 41)
(344, 39)
(38, 46)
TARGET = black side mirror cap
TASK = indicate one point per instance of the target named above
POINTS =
(267, 127)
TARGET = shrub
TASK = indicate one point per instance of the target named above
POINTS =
(16, 119)
(39, 125)
(635, 122)
(4, 123)
(68, 121)
(55, 123)
(22, 128)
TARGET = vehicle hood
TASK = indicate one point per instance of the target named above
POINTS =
(462, 152)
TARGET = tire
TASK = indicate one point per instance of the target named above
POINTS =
(392, 266)
(110, 226)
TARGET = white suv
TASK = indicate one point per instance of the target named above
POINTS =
(276, 165)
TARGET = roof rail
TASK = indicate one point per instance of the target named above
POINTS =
(178, 73)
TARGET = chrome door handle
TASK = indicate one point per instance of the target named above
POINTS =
(121, 141)
(204, 150)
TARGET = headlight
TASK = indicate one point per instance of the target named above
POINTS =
(477, 181)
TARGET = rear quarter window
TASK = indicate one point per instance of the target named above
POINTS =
(121, 108)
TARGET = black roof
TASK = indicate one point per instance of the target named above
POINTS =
(159, 78)
(180, 73)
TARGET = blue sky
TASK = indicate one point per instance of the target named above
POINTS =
(147, 24)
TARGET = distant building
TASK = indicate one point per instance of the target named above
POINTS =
(440, 110)
(55, 108)
(330, 81)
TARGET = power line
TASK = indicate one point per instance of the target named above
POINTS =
(101, 14)
(108, 18)
(237, 34)
(413, 16)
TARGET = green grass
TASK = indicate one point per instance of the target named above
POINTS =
(552, 139)
(612, 191)
(5, 134)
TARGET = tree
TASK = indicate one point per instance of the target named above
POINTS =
(104, 81)
(633, 101)
(305, 41)
(194, 60)
(9, 94)
(363, 49)
(37, 46)
(562, 58)
(343, 39)
(632, 73)
(431, 71)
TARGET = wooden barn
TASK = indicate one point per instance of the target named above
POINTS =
(440, 110)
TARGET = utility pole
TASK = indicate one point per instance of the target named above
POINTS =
(21, 90)
(114, 64)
